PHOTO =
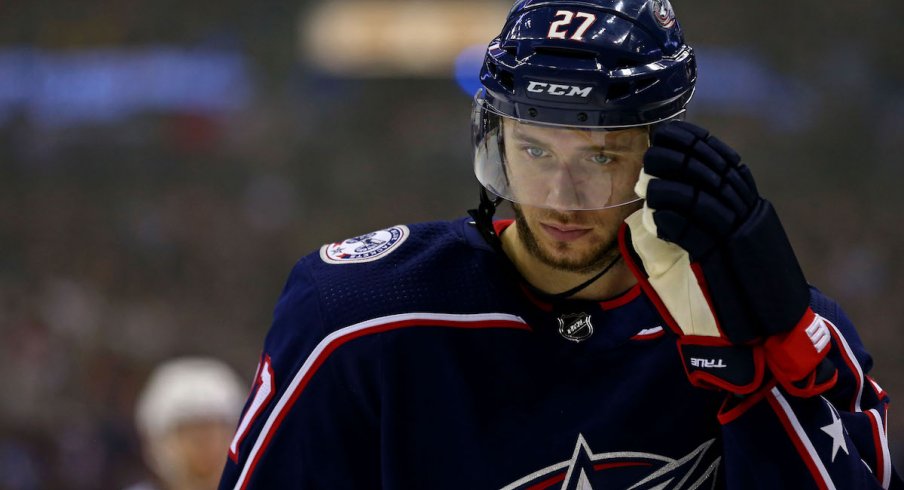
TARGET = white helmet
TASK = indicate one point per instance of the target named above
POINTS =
(186, 389)
(189, 393)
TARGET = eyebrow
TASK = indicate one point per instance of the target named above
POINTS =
(534, 141)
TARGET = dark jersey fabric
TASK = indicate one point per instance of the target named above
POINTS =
(432, 366)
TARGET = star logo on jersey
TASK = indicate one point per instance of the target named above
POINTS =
(625, 470)
(364, 248)
(575, 326)
(835, 430)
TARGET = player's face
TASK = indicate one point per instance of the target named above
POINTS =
(572, 169)
(194, 453)
(566, 166)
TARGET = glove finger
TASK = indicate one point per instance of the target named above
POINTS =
(707, 163)
(688, 139)
(744, 170)
(671, 165)
(671, 195)
(675, 228)
(674, 135)
(730, 198)
(703, 176)
(697, 131)
(699, 207)
(727, 153)
(741, 185)
(664, 163)
(713, 215)
(670, 226)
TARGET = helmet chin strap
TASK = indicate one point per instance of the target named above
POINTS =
(483, 218)
(580, 287)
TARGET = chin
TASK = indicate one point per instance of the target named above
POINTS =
(583, 255)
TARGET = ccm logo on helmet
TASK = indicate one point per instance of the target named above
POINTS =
(558, 89)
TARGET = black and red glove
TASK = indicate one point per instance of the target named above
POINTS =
(714, 257)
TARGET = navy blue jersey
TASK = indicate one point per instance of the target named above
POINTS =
(412, 358)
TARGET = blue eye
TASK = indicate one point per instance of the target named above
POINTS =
(601, 159)
(535, 152)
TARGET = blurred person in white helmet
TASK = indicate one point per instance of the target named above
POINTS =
(185, 416)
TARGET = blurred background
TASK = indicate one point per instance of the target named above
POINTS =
(163, 164)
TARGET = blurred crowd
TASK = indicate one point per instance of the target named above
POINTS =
(165, 233)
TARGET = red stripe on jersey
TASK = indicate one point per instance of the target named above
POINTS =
(500, 225)
(542, 305)
(649, 336)
(627, 297)
(257, 406)
(877, 444)
(848, 357)
(805, 455)
(880, 393)
(354, 333)
(547, 483)
(606, 466)
(610, 304)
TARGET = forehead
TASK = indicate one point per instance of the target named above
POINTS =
(557, 135)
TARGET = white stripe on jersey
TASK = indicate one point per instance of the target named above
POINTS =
(858, 371)
(337, 335)
(802, 435)
(884, 464)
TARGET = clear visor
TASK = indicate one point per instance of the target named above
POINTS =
(558, 167)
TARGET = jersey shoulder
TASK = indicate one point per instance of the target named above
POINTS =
(436, 267)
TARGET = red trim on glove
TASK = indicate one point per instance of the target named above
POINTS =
(794, 355)
(704, 287)
(729, 412)
(808, 387)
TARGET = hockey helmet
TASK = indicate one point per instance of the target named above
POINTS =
(187, 389)
(570, 88)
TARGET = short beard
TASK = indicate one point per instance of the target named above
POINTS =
(605, 255)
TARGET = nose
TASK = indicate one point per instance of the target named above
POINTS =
(563, 194)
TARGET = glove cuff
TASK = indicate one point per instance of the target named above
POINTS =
(794, 356)
(713, 363)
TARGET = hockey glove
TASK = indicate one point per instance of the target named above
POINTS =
(715, 258)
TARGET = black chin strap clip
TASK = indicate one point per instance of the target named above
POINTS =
(483, 218)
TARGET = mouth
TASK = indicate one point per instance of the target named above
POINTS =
(564, 233)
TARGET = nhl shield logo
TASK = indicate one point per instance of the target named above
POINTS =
(575, 326)
(364, 248)
(663, 13)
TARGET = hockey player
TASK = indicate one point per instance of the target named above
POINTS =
(643, 323)
(184, 415)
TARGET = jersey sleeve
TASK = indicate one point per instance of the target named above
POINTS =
(834, 441)
(310, 419)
